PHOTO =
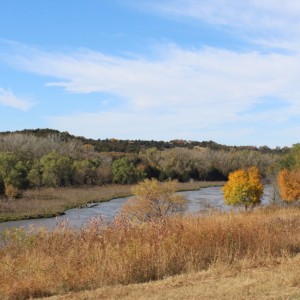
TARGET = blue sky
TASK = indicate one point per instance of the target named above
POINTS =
(221, 70)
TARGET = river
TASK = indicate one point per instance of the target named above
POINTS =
(199, 200)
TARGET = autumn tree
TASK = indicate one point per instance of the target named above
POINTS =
(153, 199)
(289, 176)
(289, 185)
(243, 188)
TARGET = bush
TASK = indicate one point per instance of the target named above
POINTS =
(153, 199)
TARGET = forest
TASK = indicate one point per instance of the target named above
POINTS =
(49, 158)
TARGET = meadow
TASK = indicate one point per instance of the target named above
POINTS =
(217, 254)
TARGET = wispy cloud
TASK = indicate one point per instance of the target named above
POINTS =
(8, 98)
(178, 76)
(177, 94)
(270, 13)
(270, 23)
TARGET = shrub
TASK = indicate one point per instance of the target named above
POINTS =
(153, 199)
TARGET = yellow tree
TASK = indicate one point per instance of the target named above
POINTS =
(289, 176)
(243, 188)
(289, 185)
(153, 199)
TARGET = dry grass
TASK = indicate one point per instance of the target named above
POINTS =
(37, 203)
(49, 263)
(278, 281)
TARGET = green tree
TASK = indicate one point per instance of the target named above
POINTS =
(153, 199)
(35, 175)
(243, 188)
(291, 161)
(13, 174)
(125, 172)
(84, 172)
(56, 170)
(17, 177)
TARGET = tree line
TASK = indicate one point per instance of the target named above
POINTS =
(132, 146)
(55, 159)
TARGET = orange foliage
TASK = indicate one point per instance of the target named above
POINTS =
(243, 188)
(289, 185)
(88, 147)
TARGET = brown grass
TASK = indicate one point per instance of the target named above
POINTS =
(278, 281)
(48, 263)
(37, 203)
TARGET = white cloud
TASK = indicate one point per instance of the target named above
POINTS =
(270, 23)
(180, 94)
(7, 98)
(193, 78)
(244, 14)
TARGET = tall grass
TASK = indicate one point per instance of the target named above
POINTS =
(40, 263)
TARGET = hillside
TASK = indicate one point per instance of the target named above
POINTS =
(279, 281)
(134, 146)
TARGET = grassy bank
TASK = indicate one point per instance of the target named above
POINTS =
(276, 281)
(63, 261)
(44, 203)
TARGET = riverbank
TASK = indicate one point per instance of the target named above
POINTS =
(46, 203)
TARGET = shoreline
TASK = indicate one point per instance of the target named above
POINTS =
(115, 194)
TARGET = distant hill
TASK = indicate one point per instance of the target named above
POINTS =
(134, 146)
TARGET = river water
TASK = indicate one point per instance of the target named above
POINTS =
(198, 201)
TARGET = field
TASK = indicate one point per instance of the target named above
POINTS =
(38, 203)
(218, 255)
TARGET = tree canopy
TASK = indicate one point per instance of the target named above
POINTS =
(243, 188)
(289, 176)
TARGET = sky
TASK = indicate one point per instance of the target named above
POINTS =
(221, 70)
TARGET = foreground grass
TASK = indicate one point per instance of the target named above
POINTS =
(42, 263)
(39, 203)
(239, 281)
